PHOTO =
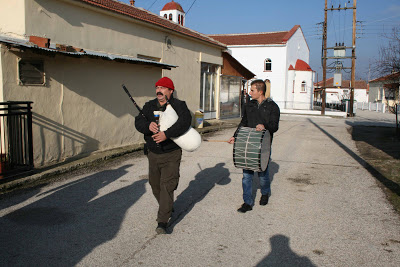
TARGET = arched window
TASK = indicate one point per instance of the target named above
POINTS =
(165, 16)
(303, 86)
(182, 20)
(170, 16)
(268, 64)
(179, 19)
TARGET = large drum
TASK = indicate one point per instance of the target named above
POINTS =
(251, 149)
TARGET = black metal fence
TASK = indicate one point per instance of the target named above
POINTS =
(334, 106)
(16, 150)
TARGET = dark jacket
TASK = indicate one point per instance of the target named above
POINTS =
(267, 113)
(180, 126)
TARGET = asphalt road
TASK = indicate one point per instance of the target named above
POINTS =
(325, 210)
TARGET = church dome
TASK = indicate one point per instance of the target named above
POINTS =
(302, 65)
(172, 6)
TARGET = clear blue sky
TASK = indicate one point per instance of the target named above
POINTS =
(235, 16)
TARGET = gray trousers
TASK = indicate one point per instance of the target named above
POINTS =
(163, 179)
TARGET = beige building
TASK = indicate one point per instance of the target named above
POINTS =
(70, 57)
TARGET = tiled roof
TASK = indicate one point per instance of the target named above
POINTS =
(390, 77)
(359, 84)
(261, 38)
(146, 16)
(172, 6)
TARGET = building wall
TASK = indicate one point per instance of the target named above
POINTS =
(12, 20)
(297, 49)
(77, 111)
(82, 108)
(303, 100)
(253, 58)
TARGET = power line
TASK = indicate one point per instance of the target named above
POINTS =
(190, 7)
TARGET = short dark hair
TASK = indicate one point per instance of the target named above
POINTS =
(260, 85)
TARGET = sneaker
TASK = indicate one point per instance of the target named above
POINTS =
(264, 200)
(244, 208)
(161, 228)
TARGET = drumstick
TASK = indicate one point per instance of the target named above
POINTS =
(222, 141)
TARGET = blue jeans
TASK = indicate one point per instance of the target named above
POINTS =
(247, 183)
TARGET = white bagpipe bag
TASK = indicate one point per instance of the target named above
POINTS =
(189, 141)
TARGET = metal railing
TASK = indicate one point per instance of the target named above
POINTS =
(16, 148)
(336, 106)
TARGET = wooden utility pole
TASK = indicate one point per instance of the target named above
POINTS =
(353, 61)
(324, 59)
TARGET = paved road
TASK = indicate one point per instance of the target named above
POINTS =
(325, 210)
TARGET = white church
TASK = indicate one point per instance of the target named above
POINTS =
(280, 59)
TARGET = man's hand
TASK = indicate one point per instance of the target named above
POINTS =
(260, 127)
(153, 127)
(159, 137)
(231, 140)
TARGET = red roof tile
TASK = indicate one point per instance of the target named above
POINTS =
(392, 76)
(261, 38)
(172, 6)
(146, 16)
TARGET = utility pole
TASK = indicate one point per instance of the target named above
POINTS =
(339, 54)
(353, 61)
(324, 59)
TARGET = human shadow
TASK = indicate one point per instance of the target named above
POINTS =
(197, 189)
(273, 169)
(282, 255)
(66, 223)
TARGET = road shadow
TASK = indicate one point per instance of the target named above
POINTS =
(283, 256)
(392, 186)
(67, 223)
(385, 139)
(273, 169)
(197, 189)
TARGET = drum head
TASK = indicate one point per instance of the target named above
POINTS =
(265, 150)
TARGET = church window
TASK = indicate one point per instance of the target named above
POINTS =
(303, 86)
(268, 64)
(179, 19)
(182, 20)
(165, 16)
(170, 16)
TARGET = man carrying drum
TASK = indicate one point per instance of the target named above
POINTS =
(260, 113)
(163, 154)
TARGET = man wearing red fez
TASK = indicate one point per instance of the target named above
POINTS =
(163, 154)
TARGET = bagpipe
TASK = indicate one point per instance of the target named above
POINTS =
(189, 141)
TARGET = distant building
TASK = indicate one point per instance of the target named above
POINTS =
(280, 59)
(385, 89)
(337, 94)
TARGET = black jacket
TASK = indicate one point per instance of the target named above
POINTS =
(267, 113)
(180, 126)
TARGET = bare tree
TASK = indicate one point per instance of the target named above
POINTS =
(389, 54)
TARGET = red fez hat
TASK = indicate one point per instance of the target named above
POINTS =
(166, 82)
